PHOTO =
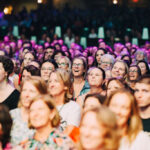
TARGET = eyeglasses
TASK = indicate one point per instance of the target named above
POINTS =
(76, 65)
(62, 64)
(132, 70)
(103, 62)
(50, 69)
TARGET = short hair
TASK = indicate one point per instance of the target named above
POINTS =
(102, 70)
(7, 64)
(108, 120)
(134, 124)
(111, 58)
(6, 123)
(51, 105)
(84, 61)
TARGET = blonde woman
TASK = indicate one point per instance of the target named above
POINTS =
(59, 88)
(98, 130)
(123, 104)
(44, 118)
(29, 89)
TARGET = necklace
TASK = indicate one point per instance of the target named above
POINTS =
(61, 108)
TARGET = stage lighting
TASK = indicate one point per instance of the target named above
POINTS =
(115, 2)
(39, 1)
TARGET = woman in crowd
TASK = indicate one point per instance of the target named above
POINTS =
(46, 68)
(133, 75)
(5, 128)
(99, 53)
(92, 101)
(64, 63)
(8, 94)
(80, 85)
(29, 89)
(115, 84)
(143, 65)
(59, 88)
(44, 118)
(95, 77)
(123, 104)
(120, 69)
(98, 130)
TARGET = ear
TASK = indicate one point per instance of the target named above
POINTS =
(52, 114)
(65, 88)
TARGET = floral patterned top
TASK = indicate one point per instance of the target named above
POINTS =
(20, 130)
(55, 141)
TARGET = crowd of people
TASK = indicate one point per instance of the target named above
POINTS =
(66, 97)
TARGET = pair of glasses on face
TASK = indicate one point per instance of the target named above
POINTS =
(62, 64)
(132, 70)
(107, 63)
(50, 69)
(76, 65)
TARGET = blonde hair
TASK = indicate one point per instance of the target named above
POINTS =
(51, 105)
(65, 77)
(38, 83)
(107, 119)
(68, 62)
(134, 124)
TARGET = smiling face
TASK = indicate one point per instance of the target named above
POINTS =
(119, 70)
(28, 92)
(62, 63)
(40, 114)
(133, 73)
(91, 132)
(56, 85)
(46, 69)
(120, 104)
(77, 68)
(95, 77)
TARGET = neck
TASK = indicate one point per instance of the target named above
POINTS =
(123, 130)
(59, 99)
(3, 85)
(145, 112)
(78, 80)
(25, 114)
(43, 133)
(95, 89)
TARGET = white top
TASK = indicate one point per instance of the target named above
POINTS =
(141, 142)
(70, 114)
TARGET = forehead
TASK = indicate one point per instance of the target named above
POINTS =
(28, 55)
(120, 99)
(119, 64)
(77, 60)
(100, 51)
(37, 104)
(133, 68)
(95, 70)
(142, 86)
(47, 64)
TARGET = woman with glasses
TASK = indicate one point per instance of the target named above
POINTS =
(64, 63)
(46, 68)
(79, 85)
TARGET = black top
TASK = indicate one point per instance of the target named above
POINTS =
(12, 100)
(146, 124)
